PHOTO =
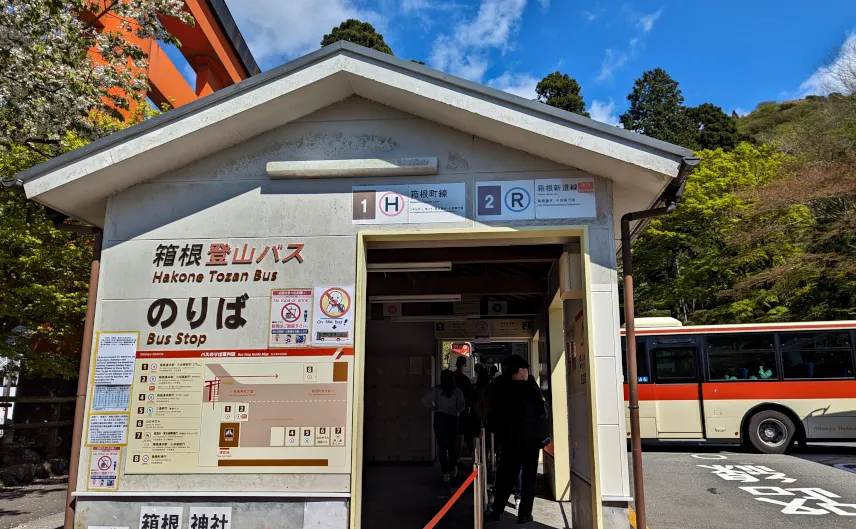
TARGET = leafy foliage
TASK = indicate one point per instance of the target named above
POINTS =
(684, 265)
(657, 110)
(361, 33)
(561, 91)
(820, 282)
(715, 129)
(65, 61)
(55, 99)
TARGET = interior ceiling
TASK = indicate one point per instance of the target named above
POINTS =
(497, 272)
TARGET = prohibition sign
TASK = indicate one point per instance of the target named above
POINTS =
(335, 302)
(290, 312)
(391, 198)
(104, 463)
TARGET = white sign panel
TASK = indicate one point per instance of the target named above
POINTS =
(290, 317)
(437, 203)
(109, 429)
(333, 316)
(380, 204)
(210, 518)
(104, 467)
(470, 308)
(505, 200)
(161, 517)
(111, 398)
(114, 363)
(414, 203)
(565, 198)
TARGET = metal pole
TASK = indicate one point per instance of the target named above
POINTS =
(632, 375)
(670, 197)
(476, 486)
(483, 465)
(82, 380)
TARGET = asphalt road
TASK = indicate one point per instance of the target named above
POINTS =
(36, 506)
(739, 489)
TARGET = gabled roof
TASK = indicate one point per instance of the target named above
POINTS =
(79, 182)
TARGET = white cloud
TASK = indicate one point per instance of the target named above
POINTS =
(741, 112)
(464, 52)
(611, 62)
(276, 33)
(544, 3)
(519, 84)
(604, 112)
(589, 16)
(646, 22)
(838, 76)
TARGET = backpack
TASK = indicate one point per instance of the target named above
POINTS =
(536, 419)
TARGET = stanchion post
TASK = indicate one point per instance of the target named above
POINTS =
(477, 511)
(483, 466)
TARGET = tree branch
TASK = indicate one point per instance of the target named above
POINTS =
(92, 22)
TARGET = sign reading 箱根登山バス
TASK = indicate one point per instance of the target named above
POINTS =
(243, 263)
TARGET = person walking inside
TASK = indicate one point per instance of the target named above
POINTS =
(520, 419)
(447, 403)
(463, 382)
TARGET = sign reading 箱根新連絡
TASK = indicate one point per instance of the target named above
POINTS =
(541, 199)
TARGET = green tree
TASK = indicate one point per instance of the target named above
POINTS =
(820, 282)
(59, 70)
(44, 271)
(657, 110)
(561, 91)
(361, 33)
(715, 129)
(686, 264)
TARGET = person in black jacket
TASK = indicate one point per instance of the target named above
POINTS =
(463, 382)
(519, 419)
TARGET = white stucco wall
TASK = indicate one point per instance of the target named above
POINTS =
(228, 197)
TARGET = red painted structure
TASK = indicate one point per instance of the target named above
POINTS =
(213, 46)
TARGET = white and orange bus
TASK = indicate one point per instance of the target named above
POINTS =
(765, 385)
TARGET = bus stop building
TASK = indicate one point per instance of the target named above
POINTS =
(228, 369)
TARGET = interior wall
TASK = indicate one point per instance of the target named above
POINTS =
(399, 366)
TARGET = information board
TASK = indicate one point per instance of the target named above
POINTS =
(246, 411)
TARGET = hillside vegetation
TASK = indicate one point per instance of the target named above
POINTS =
(767, 230)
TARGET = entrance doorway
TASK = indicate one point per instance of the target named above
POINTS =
(420, 292)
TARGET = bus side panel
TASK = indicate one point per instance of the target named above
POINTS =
(667, 411)
(647, 412)
(827, 409)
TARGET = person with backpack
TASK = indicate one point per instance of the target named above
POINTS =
(519, 417)
(447, 402)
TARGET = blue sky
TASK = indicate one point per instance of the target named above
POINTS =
(734, 54)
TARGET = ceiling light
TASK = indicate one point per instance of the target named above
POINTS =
(430, 298)
(410, 319)
(409, 267)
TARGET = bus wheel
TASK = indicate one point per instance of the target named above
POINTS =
(771, 432)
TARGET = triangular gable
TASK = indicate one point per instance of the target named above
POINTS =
(79, 182)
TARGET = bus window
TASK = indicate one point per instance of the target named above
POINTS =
(817, 355)
(641, 361)
(675, 365)
(742, 357)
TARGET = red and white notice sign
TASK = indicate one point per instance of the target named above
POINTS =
(290, 317)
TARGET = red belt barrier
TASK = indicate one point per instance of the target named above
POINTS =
(436, 519)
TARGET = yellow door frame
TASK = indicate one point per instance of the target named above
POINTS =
(460, 234)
